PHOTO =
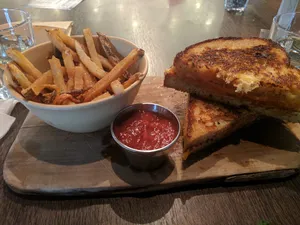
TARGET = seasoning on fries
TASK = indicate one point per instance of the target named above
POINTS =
(79, 74)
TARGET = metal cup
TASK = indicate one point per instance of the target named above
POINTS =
(145, 159)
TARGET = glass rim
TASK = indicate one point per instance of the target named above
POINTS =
(27, 18)
(276, 18)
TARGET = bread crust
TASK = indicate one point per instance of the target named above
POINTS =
(173, 81)
(206, 122)
(254, 71)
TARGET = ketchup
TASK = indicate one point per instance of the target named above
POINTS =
(145, 130)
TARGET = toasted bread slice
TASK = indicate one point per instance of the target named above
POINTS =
(180, 83)
(206, 122)
(240, 71)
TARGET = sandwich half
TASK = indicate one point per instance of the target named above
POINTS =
(207, 122)
(253, 72)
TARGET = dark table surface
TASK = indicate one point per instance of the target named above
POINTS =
(162, 28)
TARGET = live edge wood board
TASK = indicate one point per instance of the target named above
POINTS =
(45, 160)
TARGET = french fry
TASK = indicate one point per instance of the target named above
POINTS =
(19, 76)
(9, 77)
(64, 71)
(70, 69)
(30, 78)
(24, 63)
(38, 85)
(29, 90)
(98, 46)
(114, 74)
(69, 41)
(60, 45)
(87, 71)
(109, 49)
(105, 63)
(133, 78)
(69, 64)
(78, 78)
(57, 73)
(88, 36)
(89, 80)
(85, 49)
(103, 96)
(117, 87)
(112, 54)
(70, 84)
(82, 78)
(89, 64)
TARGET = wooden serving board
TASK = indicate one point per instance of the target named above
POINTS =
(45, 160)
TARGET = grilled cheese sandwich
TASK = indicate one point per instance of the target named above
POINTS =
(239, 71)
(206, 122)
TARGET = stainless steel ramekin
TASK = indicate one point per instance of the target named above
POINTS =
(145, 159)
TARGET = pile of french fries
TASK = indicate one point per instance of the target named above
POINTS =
(78, 72)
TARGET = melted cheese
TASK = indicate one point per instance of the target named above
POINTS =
(246, 83)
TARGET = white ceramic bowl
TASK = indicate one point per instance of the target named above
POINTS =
(85, 117)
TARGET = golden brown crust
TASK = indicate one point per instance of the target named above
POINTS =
(267, 42)
(210, 114)
(253, 69)
(206, 122)
(254, 60)
(172, 80)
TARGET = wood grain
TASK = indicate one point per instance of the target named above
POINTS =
(46, 160)
(275, 202)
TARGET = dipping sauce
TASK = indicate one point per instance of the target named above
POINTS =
(145, 130)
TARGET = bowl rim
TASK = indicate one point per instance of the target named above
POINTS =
(20, 98)
(145, 152)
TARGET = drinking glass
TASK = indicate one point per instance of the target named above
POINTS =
(15, 32)
(236, 5)
(285, 30)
